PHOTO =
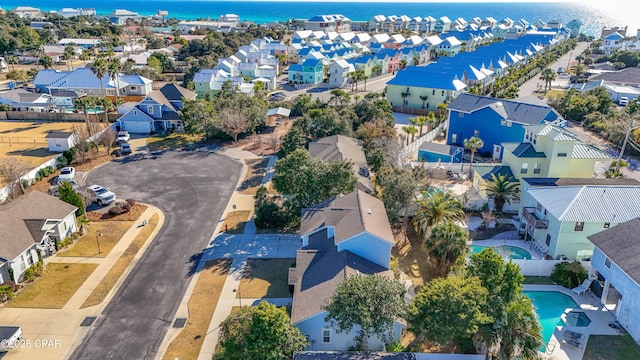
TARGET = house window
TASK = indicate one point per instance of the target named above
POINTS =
(537, 168)
(58, 143)
(579, 226)
(535, 138)
(442, 92)
(460, 114)
(150, 109)
(326, 336)
(64, 226)
(454, 138)
(29, 260)
(607, 225)
(562, 154)
(407, 89)
(607, 263)
(548, 240)
(433, 92)
(134, 88)
(538, 206)
(135, 112)
(476, 133)
(525, 168)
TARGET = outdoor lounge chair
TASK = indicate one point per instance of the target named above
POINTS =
(572, 338)
(585, 287)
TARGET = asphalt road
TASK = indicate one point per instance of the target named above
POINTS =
(192, 189)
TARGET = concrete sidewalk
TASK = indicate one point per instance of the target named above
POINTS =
(61, 326)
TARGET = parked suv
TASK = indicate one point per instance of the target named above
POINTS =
(125, 149)
(123, 136)
(67, 174)
(102, 195)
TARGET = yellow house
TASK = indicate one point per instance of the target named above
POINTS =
(547, 151)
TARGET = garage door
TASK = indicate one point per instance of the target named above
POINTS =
(136, 127)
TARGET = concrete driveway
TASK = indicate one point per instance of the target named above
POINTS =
(192, 189)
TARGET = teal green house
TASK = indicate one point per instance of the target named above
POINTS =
(311, 71)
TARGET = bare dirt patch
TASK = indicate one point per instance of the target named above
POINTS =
(412, 258)
(107, 283)
(131, 215)
(265, 278)
(202, 304)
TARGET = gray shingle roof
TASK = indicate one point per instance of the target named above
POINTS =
(319, 269)
(590, 203)
(350, 215)
(344, 148)
(629, 76)
(516, 111)
(621, 244)
(58, 135)
(175, 92)
(21, 216)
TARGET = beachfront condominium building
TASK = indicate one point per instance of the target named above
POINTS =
(335, 22)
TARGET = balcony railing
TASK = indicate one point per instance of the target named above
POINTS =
(529, 214)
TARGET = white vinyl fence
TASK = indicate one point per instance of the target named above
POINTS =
(542, 267)
(406, 153)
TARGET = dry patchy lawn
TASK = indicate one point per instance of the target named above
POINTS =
(55, 287)
(253, 177)
(202, 304)
(235, 221)
(26, 139)
(111, 232)
(171, 141)
(107, 283)
(412, 257)
(265, 278)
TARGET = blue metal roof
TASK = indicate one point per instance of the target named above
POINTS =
(426, 79)
(295, 67)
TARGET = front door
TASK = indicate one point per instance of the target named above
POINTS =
(497, 149)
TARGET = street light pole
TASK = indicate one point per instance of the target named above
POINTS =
(624, 144)
(98, 234)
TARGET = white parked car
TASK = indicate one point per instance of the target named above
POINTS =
(123, 136)
(9, 337)
(67, 174)
(102, 195)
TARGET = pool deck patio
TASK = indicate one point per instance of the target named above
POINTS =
(600, 317)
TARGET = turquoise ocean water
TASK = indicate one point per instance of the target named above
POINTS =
(270, 11)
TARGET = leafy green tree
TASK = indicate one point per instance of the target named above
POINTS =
(569, 274)
(436, 207)
(448, 308)
(502, 189)
(502, 280)
(198, 117)
(306, 181)
(397, 188)
(474, 144)
(259, 332)
(447, 242)
(68, 195)
(370, 302)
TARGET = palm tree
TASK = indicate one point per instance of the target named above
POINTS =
(12, 60)
(404, 96)
(502, 189)
(85, 55)
(410, 130)
(100, 68)
(84, 104)
(473, 145)
(416, 60)
(424, 99)
(519, 335)
(376, 70)
(420, 121)
(579, 69)
(69, 55)
(547, 75)
(113, 69)
(579, 59)
(447, 242)
(436, 207)
(46, 62)
(441, 114)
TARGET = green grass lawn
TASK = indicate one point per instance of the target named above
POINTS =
(602, 347)
(55, 287)
(266, 278)
(538, 280)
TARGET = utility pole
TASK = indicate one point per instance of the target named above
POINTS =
(624, 144)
